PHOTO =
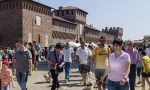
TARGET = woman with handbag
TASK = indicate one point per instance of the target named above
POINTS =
(56, 61)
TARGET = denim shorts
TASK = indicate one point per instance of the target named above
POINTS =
(115, 85)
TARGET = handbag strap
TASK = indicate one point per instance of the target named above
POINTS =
(56, 57)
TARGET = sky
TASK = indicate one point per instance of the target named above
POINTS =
(132, 15)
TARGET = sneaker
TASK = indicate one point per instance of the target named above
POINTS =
(139, 82)
(66, 80)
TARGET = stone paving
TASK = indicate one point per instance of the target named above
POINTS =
(37, 82)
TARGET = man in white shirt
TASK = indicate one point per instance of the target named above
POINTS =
(68, 54)
(148, 50)
(83, 55)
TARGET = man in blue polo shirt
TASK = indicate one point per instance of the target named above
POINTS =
(22, 64)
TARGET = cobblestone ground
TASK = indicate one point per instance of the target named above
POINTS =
(37, 82)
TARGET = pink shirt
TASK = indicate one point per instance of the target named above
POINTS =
(117, 65)
(5, 76)
(134, 55)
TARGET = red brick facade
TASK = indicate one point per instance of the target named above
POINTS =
(18, 20)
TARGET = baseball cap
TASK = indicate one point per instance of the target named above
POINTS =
(6, 62)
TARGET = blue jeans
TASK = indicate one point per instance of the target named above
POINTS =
(139, 71)
(22, 78)
(67, 69)
(5, 88)
(115, 85)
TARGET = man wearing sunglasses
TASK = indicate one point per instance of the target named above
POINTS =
(135, 58)
(100, 58)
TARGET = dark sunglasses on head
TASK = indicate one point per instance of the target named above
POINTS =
(117, 44)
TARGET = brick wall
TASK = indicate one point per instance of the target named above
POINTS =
(10, 26)
(18, 20)
(40, 32)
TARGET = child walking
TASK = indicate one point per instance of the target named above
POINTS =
(6, 76)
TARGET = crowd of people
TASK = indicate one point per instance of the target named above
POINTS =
(115, 66)
(20, 62)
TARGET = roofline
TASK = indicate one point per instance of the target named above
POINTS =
(70, 9)
(61, 19)
(42, 4)
(93, 28)
(48, 7)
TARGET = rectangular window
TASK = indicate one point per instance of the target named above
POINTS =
(67, 13)
(72, 12)
(38, 20)
(81, 29)
(62, 13)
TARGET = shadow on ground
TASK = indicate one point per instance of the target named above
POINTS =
(43, 66)
(72, 85)
(75, 75)
(43, 82)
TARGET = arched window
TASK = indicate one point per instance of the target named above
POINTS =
(46, 40)
(30, 37)
(39, 38)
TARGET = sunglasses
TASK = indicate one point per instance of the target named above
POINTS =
(102, 40)
(129, 44)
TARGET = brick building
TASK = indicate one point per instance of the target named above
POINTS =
(25, 19)
(74, 15)
(34, 21)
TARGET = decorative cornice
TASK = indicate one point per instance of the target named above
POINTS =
(24, 4)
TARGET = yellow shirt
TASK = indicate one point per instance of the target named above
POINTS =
(146, 64)
(101, 57)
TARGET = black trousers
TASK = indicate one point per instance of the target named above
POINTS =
(55, 80)
(132, 76)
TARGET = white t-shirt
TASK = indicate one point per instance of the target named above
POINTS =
(147, 51)
(68, 54)
(83, 55)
